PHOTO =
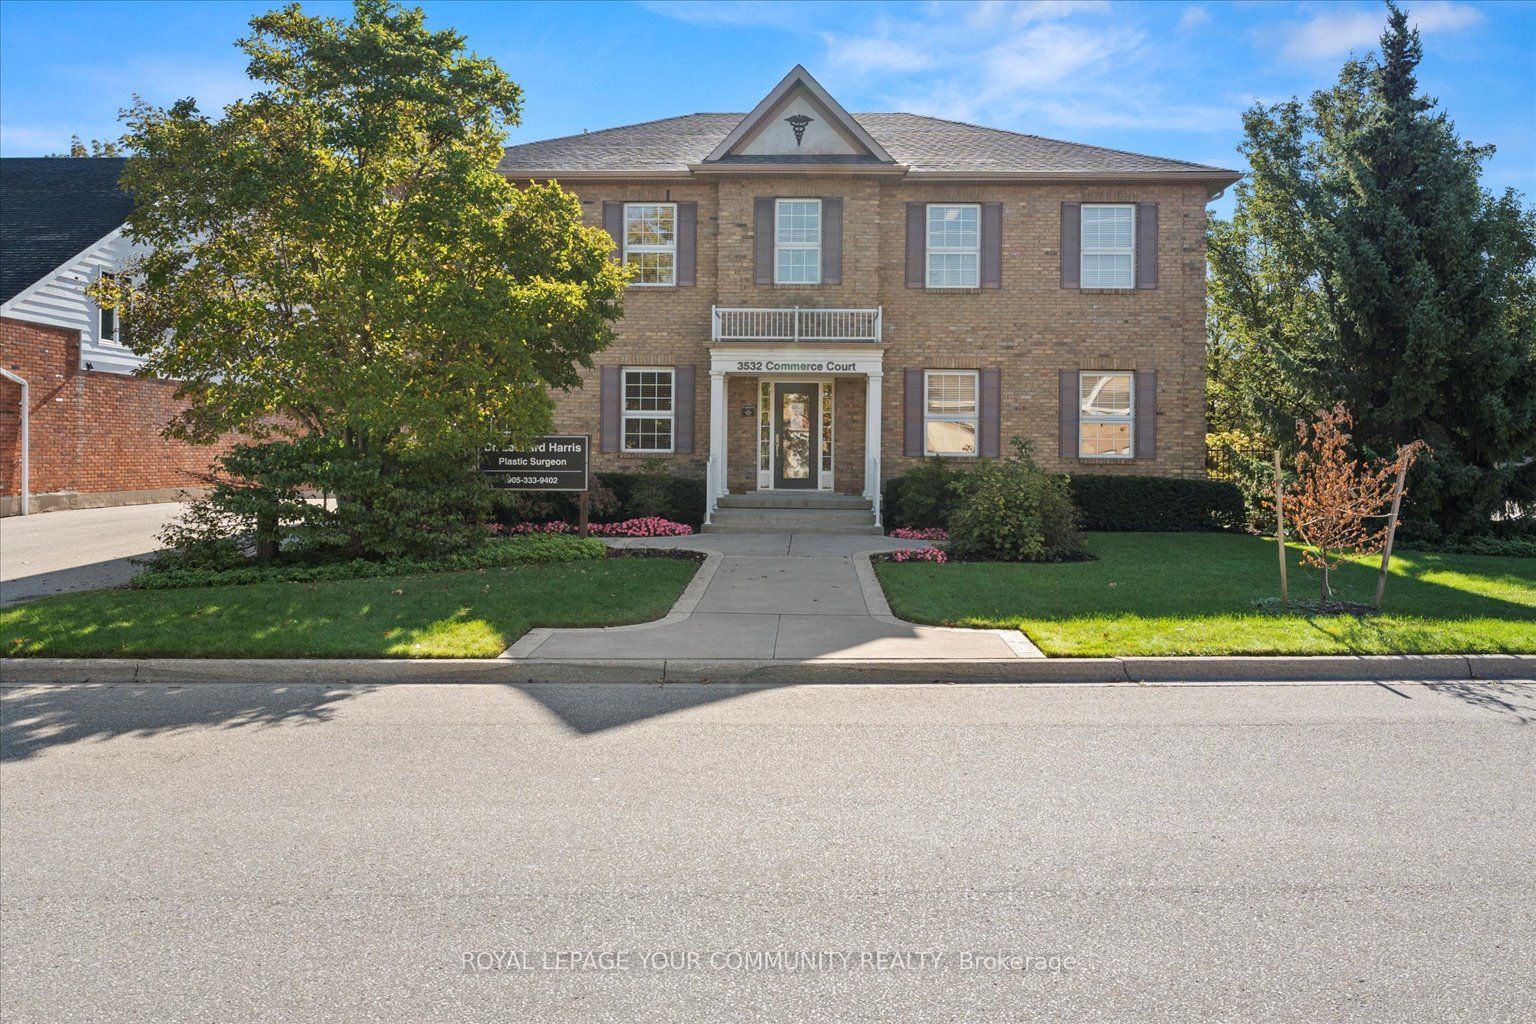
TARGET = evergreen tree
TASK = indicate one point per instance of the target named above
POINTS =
(1366, 264)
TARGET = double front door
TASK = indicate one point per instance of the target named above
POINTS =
(796, 434)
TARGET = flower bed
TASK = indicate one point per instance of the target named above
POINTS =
(917, 555)
(648, 526)
(920, 533)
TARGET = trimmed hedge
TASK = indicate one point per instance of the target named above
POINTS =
(497, 553)
(928, 496)
(683, 496)
(1157, 504)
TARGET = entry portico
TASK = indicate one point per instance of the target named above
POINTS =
(797, 357)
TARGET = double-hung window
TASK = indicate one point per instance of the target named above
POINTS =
(1106, 415)
(949, 412)
(797, 241)
(650, 243)
(648, 407)
(1109, 245)
(954, 245)
(106, 324)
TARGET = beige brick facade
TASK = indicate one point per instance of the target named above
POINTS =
(1021, 330)
(1029, 329)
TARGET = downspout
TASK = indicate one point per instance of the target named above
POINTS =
(26, 439)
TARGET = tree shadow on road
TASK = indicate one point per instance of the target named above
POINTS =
(1506, 698)
(35, 718)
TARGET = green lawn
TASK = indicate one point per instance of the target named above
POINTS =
(446, 615)
(1188, 593)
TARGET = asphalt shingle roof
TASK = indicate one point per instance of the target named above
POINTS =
(922, 143)
(53, 208)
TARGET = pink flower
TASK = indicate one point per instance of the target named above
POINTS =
(920, 533)
(935, 555)
(646, 526)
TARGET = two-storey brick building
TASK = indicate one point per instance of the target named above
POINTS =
(821, 299)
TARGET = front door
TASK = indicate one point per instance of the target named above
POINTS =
(796, 409)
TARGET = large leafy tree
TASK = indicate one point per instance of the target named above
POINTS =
(338, 255)
(1366, 264)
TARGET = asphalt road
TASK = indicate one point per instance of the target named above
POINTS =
(1243, 854)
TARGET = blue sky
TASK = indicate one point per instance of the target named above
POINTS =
(1167, 78)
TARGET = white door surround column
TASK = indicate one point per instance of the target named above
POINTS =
(872, 400)
(716, 483)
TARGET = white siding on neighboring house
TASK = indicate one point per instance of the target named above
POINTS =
(59, 300)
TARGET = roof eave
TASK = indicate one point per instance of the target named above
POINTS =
(1214, 178)
(622, 174)
(892, 170)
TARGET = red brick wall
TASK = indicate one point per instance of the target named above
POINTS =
(92, 433)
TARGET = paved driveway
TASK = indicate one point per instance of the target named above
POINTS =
(1256, 854)
(51, 552)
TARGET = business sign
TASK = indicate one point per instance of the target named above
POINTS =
(558, 462)
(794, 366)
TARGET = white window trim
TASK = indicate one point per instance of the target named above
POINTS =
(102, 337)
(1085, 251)
(779, 246)
(974, 419)
(627, 414)
(1083, 417)
(931, 250)
(672, 249)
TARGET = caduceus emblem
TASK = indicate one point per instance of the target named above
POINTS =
(798, 123)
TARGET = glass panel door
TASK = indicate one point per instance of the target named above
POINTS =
(796, 410)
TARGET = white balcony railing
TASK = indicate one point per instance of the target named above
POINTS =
(795, 324)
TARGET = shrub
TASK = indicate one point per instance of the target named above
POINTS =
(489, 554)
(397, 506)
(1016, 512)
(549, 506)
(649, 496)
(1157, 504)
(927, 496)
(1245, 461)
(611, 497)
(1503, 547)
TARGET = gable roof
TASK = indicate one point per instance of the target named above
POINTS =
(925, 146)
(53, 209)
(799, 79)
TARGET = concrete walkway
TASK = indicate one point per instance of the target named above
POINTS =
(777, 597)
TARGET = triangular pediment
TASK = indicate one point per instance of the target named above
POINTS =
(799, 121)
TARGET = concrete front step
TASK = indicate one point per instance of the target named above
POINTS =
(794, 499)
(819, 528)
(793, 520)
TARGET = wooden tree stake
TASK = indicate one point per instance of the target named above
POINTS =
(1285, 590)
(1386, 549)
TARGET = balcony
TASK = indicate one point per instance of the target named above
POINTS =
(794, 324)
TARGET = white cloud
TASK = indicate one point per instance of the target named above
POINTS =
(1337, 32)
(1036, 64)
(870, 56)
(784, 14)
(1193, 17)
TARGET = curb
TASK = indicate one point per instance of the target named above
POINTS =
(384, 671)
